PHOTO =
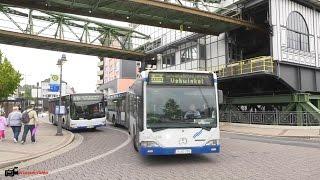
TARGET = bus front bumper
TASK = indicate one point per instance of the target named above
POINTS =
(87, 127)
(178, 150)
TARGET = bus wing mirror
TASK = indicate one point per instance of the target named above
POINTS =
(220, 96)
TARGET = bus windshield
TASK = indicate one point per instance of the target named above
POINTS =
(87, 110)
(181, 107)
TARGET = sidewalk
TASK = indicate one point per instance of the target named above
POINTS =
(46, 142)
(270, 130)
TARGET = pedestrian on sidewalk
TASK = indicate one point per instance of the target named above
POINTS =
(29, 124)
(3, 124)
(14, 121)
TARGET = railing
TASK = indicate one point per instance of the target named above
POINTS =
(213, 6)
(253, 65)
(269, 118)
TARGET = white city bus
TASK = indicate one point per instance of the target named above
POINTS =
(83, 111)
(174, 112)
(117, 108)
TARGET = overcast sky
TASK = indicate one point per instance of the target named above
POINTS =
(80, 71)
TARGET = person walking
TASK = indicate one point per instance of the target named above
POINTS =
(14, 121)
(30, 121)
(3, 124)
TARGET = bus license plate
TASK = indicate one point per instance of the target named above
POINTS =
(183, 151)
(90, 126)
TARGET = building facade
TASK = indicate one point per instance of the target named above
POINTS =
(116, 75)
(47, 93)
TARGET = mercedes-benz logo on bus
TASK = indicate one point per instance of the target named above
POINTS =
(183, 141)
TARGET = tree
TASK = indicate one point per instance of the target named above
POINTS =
(27, 93)
(172, 109)
(9, 78)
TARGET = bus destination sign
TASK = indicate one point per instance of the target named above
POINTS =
(87, 97)
(180, 79)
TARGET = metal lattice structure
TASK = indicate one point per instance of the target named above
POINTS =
(213, 6)
(67, 27)
(178, 14)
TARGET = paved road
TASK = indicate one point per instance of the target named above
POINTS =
(242, 157)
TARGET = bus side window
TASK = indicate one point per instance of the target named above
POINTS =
(140, 113)
(67, 104)
(135, 107)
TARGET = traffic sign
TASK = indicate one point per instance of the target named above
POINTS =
(54, 79)
(54, 87)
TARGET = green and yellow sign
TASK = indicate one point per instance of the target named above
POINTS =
(180, 79)
(54, 79)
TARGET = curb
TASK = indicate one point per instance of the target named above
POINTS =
(60, 146)
(261, 126)
(262, 135)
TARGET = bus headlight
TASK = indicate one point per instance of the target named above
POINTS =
(149, 144)
(212, 142)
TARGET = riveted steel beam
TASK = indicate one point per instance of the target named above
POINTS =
(33, 41)
(147, 12)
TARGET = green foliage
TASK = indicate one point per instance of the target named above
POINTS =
(9, 78)
(27, 93)
(172, 109)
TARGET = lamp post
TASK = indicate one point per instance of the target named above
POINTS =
(60, 63)
(37, 103)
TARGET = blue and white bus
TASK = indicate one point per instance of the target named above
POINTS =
(174, 112)
(82, 111)
(117, 109)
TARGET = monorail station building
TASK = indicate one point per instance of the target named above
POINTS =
(268, 76)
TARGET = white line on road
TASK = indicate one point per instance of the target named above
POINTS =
(88, 160)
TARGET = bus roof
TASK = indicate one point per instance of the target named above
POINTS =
(75, 94)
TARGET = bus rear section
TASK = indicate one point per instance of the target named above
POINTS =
(118, 108)
(176, 113)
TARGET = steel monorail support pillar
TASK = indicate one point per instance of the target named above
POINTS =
(300, 115)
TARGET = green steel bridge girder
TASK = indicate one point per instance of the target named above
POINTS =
(303, 107)
(147, 12)
(92, 32)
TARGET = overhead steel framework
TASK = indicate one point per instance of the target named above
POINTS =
(63, 32)
(160, 13)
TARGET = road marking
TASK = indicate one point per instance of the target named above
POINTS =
(88, 160)
(77, 141)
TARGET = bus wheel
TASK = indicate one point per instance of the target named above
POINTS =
(135, 142)
(114, 121)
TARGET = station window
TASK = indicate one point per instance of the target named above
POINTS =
(202, 51)
(189, 54)
(297, 32)
(168, 60)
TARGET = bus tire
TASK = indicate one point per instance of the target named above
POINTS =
(135, 142)
(113, 120)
